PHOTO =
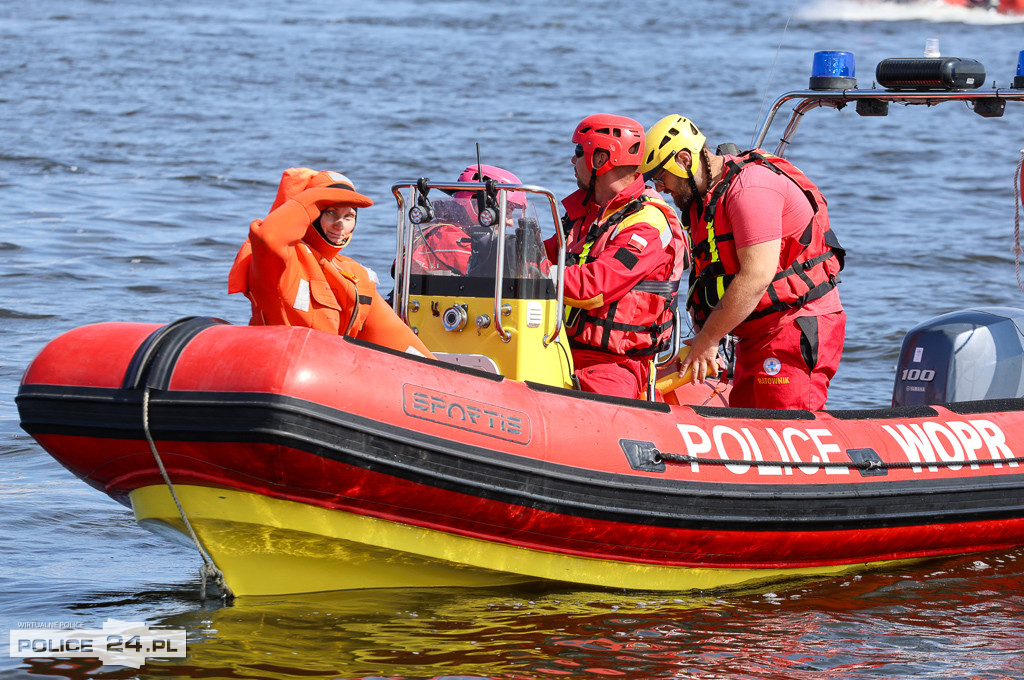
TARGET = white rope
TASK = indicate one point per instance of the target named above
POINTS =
(1017, 179)
(209, 568)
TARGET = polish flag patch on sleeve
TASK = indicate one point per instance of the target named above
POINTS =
(638, 241)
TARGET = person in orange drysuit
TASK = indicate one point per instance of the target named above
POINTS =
(292, 270)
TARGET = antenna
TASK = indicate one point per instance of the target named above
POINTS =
(774, 62)
(479, 167)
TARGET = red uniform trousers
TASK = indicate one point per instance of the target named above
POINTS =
(789, 367)
(614, 374)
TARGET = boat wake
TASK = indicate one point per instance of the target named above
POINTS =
(884, 10)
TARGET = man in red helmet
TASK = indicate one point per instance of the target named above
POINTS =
(625, 254)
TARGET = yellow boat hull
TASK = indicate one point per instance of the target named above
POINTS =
(269, 546)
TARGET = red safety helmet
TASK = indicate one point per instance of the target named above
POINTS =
(621, 137)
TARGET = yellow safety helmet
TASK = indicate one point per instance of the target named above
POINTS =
(665, 140)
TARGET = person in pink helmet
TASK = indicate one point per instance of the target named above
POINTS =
(447, 244)
(516, 199)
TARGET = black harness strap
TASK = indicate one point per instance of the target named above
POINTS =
(666, 289)
(813, 294)
(598, 229)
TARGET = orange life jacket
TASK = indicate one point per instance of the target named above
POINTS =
(808, 267)
(318, 287)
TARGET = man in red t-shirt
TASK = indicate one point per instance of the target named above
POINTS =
(765, 267)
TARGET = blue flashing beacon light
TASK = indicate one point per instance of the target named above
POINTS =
(1018, 82)
(833, 71)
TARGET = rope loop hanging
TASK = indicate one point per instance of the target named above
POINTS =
(209, 568)
(1018, 180)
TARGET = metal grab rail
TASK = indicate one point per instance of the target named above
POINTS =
(837, 99)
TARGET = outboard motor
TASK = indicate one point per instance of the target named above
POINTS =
(968, 355)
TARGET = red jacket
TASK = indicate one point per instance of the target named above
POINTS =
(625, 260)
(444, 248)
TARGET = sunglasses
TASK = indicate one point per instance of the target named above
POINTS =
(657, 173)
(579, 151)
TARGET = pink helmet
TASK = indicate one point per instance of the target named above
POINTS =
(621, 137)
(472, 174)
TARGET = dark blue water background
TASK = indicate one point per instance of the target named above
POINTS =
(139, 139)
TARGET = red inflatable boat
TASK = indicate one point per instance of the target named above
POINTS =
(299, 461)
(1001, 6)
(309, 462)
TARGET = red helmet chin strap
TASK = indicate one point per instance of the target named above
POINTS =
(591, 189)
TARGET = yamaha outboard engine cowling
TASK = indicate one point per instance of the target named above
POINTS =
(968, 355)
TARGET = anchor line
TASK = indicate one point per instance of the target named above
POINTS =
(209, 568)
(683, 458)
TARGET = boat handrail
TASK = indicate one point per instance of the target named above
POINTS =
(837, 99)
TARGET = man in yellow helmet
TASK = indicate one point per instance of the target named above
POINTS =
(766, 265)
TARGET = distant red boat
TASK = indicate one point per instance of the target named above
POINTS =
(1001, 6)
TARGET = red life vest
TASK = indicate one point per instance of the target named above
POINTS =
(808, 267)
(639, 323)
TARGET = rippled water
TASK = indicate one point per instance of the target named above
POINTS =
(139, 139)
(955, 619)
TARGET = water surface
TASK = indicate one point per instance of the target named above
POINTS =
(140, 139)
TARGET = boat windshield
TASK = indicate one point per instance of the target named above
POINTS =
(454, 243)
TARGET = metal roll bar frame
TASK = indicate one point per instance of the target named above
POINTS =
(837, 99)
